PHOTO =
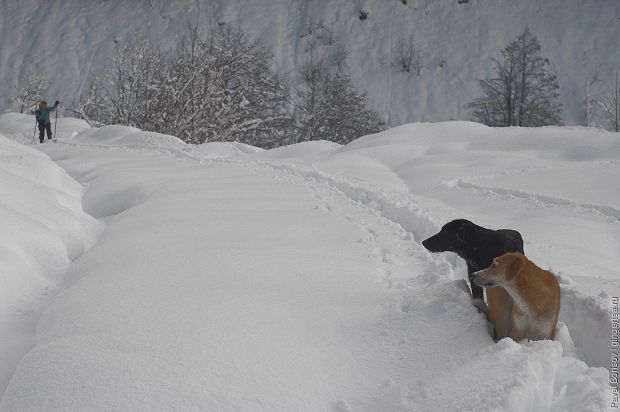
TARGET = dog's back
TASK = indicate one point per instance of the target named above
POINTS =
(535, 312)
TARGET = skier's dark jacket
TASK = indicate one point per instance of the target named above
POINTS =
(43, 115)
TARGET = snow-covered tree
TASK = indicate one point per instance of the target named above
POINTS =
(590, 100)
(328, 107)
(222, 88)
(610, 105)
(124, 92)
(216, 87)
(523, 93)
(29, 91)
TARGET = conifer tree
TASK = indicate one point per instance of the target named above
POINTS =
(523, 93)
(329, 107)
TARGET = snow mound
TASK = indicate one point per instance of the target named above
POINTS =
(106, 135)
(304, 149)
(127, 136)
(43, 229)
(144, 139)
(226, 149)
(434, 139)
(517, 377)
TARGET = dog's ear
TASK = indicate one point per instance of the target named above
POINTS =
(514, 266)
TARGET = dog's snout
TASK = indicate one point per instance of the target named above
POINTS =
(479, 279)
(430, 244)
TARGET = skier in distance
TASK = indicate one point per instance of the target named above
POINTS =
(42, 115)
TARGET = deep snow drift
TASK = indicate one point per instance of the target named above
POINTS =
(293, 279)
(43, 229)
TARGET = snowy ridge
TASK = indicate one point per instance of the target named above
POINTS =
(328, 280)
(590, 324)
(43, 229)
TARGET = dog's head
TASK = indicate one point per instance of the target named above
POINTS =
(502, 271)
(451, 238)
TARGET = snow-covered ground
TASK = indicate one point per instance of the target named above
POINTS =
(72, 40)
(231, 278)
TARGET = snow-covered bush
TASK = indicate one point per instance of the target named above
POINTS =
(218, 87)
(609, 103)
(30, 90)
(523, 93)
(328, 107)
(126, 92)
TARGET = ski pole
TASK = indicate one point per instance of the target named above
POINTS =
(34, 134)
(56, 122)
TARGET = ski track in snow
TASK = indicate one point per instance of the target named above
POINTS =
(608, 212)
(589, 314)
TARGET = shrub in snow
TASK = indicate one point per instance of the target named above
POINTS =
(523, 92)
(407, 55)
(29, 91)
(126, 91)
(610, 105)
(221, 88)
(217, 87)
(327, 107)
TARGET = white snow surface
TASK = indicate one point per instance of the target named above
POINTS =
(71, 41)
(228, 278)
(43, 229)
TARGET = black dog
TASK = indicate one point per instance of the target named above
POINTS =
(476, 244)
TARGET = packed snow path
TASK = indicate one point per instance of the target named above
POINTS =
(236, 285)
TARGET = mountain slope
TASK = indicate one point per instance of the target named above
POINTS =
(71, 40)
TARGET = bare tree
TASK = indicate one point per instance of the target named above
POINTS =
(323, 44)
(590, 99)
(523, 93)
(408, 55)
(30, 89)
(610, 105)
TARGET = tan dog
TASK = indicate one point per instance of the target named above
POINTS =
(535, 297)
